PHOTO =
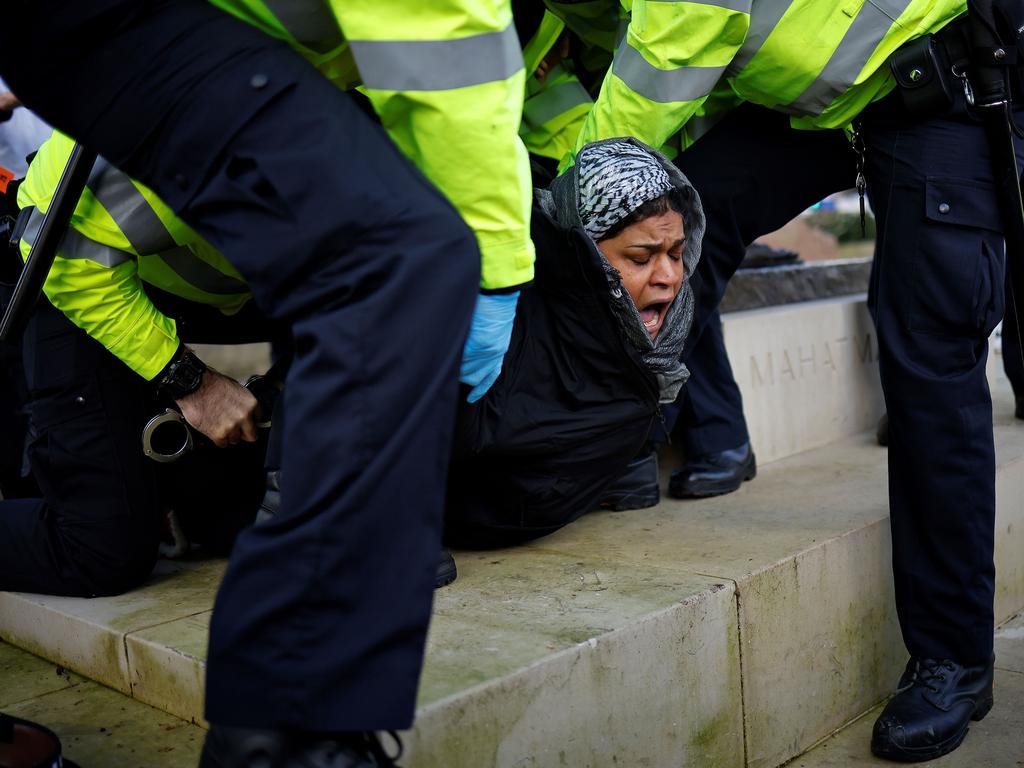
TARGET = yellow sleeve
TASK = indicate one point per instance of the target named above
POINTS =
(671, 59)
(94, 280)
(111, 306)
(447, 79)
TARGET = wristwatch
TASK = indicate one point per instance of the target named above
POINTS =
(182, 376)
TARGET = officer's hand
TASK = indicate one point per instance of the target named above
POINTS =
(222, 409)
(489, 335)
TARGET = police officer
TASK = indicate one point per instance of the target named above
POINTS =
(762, 91)
(105, 355)
(318, 632)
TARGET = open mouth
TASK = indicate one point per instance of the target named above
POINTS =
(652, 315)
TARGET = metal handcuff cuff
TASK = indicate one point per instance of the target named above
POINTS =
(167, 437)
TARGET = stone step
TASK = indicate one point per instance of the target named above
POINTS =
(724, 632)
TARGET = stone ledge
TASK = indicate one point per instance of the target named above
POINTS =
(771, 286)
(623, 638)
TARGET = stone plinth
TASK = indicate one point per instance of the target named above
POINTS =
(808, 373)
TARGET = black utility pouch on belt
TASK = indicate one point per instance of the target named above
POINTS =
(923, 77)
(930, 70)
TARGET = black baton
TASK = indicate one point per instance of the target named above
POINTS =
(44, 249)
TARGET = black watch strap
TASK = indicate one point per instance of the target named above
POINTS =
(182, 376)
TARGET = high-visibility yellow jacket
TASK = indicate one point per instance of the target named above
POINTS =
(122, 236)
(555, 106)
(821, 61)
(457, 133)
(447, 79)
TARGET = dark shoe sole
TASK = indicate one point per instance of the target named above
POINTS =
(900, 754)
(706, 490)
(627, 501)
(446, 574)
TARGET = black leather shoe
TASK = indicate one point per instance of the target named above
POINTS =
(260, 748)
(931, 713)
(882, 430)
(446, 570)
(271, 497)
(713, 474)
(636, 487)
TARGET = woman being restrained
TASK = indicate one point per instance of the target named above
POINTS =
(596, 347)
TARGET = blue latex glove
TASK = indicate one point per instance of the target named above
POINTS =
(489, 335)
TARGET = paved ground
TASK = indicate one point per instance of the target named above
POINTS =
(995, 742)
(98, 727)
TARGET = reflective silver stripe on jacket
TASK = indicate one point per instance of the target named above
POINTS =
(765, 16)
(438, 65)
(310, 22)
(184, 263)
(740, 6)
(75, 245)
(663, 85)
(848, 60)
(549, 104)
(201, 275)
(129, 209)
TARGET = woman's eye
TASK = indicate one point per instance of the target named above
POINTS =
(641, 262)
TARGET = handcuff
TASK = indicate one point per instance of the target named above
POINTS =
(168, 436)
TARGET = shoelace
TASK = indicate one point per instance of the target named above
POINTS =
(928, 672)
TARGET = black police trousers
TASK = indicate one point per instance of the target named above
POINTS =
(936, 294)
(96, 528)
(13, 422)
(321, 620)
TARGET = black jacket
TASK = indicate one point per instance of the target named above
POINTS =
(577, 395)
(572, 406)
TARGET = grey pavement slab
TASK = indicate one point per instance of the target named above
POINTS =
(98, 727)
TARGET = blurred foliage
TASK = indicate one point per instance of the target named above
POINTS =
(845, 226)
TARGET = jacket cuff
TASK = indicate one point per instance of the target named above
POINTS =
(506, 267)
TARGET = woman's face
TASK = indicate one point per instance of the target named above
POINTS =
(649, 256)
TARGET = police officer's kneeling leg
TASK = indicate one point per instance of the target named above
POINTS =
(96, 530)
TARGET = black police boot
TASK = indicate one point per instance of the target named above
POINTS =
(636, 487)
(713, 474)
(261, 748)
(446, 570)
(930, 714)
(271, 497)
(882, 430)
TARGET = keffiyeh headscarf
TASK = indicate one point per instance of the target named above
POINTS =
(615, 179)
(610, 180)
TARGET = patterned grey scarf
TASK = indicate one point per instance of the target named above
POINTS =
(615, 179)
(611, 196)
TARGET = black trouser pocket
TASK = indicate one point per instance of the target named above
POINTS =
(958, 269)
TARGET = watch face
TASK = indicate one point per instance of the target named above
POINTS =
(183, 378)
